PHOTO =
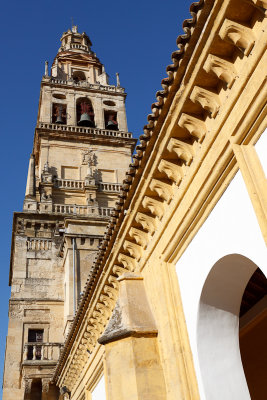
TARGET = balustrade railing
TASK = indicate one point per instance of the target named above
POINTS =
(69, 184)
(82, 210)
(110, 187)
(78, 129)
(35, 244)
(96, 86)
(35, 351)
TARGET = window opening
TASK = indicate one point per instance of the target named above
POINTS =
(111, 120)
(35, 336)
(59, 114)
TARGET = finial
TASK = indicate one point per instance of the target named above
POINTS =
(118, 79)
(103, 69)
(46, 167)
(46, 68)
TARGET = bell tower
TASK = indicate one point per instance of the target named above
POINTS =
(80, 154)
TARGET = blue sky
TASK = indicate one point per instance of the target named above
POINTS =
(135, 39)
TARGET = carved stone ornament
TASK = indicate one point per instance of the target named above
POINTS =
(164, 190)
(139, 236)
(195, 126)
(45, 385)
(128, 262)
(133, 249)
(156, 207)
(239, 35)
(183, 150)
(173, 171)
(223, 69)
(89, 158)
(208, 100)
(148, 223)
(27, 383)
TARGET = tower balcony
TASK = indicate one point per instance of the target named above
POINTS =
(84, 84)
(84, 130)
(82, 211)
(79, 185)
(41, 353)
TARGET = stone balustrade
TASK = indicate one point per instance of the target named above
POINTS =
(78, 129)
(35, 244)
(82, 210)
(110, 187)
(42, 352)
(68, 184)
(78, 184)
(87, 85)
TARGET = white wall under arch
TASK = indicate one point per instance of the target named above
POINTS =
(218, 328)
(231, 228)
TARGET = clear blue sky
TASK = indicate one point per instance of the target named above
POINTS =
(134, 38)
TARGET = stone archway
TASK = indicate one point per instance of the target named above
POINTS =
(218, 329)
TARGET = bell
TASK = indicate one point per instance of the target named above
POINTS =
(112, 125)
(59, 119)
(85, 120)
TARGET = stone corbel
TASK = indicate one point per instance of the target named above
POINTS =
(128, 262)
(183, 150)
(195, 126)
(118, 271)
(133, 249)
(237, 34)
(208, 100)
(139, 236)
(164, 190)
(223, 69)
(111, 292)
(148, 223)
(156, 207)
(113, 281)
(173, 171)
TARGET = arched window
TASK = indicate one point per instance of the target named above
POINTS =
(218, 331)
(85, 112)
(111, 120)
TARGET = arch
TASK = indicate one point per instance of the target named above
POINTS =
(218, 328)
(85, 112)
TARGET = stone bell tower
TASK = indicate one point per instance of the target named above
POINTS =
(81, 151)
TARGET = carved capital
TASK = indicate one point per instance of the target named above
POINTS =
(148, 223)
(156, 207)
(183, 150)
(45, 385)
(173, 171)
(208, 100)
(237, 34)
(195, 126)
(27, 383)
(223, 69)
(128, 262)
(139, 236)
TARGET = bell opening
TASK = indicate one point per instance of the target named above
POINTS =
(59, 114)
(85, 113)
(111, 122)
